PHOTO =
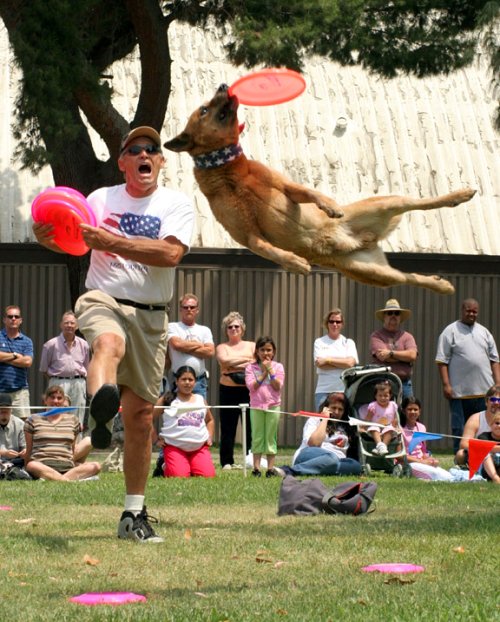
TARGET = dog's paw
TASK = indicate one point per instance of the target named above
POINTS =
(331, 209)
(298, 265)
(442, 285)
(368, 238)
(462, 196)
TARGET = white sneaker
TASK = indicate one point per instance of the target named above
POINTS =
(278, 471)
(381, 449)
(227, 467)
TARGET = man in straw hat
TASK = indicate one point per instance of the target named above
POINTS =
(393, 346)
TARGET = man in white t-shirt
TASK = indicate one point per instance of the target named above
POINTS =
(142, 233)
(190, 343)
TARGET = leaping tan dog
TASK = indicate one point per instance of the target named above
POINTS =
(286, 222)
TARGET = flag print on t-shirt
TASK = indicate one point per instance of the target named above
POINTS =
(133, 224)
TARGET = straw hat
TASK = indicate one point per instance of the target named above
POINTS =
(392, 305)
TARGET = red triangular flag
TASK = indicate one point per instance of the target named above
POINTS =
(478, 450)
(309, 414)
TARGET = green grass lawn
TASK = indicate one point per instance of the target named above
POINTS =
(228, 556)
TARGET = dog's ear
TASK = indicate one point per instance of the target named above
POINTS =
(183, 142)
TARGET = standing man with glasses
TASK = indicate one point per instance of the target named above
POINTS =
(142, 233)
(190, 343)
(65, 360)
(332, 354)
(467, 359)
(16, 357)
(393, 346)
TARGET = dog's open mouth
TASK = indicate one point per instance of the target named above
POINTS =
(231, 105)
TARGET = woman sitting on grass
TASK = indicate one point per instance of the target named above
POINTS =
(187, 431)
(51, 442)
(325, 443)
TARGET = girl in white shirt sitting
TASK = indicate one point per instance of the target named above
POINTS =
(187, 431)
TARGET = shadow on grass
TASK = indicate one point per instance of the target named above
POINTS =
(412, 526)
(49, 543)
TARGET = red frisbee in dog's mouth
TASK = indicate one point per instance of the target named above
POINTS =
(268, 87)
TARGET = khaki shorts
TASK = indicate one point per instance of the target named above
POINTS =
(144, 333)
(21, 403)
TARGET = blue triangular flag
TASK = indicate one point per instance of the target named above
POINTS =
(56, 410)
(419, 437)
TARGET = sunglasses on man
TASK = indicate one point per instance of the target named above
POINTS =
(135, 150)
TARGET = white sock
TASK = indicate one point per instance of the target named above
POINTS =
(134, 503)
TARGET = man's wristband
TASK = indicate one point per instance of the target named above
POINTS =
(272, 377)
(14, 356)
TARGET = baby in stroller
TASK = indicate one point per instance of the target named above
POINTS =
(374, 393)
(383, 410)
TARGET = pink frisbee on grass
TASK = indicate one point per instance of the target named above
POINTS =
(65, 208)
(107, 598)
(393, 568)
(5, 508)
(268, 87)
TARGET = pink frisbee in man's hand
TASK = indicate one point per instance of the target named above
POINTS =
(64, 208)
(393, 568)
(107, 598)
(268, 87)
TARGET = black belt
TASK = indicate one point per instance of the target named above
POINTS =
(140, 305)
(68, 377)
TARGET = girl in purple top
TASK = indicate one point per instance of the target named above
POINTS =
(264, 380)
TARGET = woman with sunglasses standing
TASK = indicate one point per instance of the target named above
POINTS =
(393, 346)
(332, 354)
(233, 356)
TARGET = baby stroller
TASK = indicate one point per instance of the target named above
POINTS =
(359, 383)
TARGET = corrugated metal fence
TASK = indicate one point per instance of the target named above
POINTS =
(274, 302)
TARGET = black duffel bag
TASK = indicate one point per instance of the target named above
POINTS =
(312, 496)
